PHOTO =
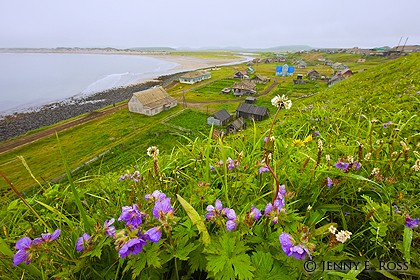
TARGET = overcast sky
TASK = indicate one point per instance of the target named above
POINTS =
(220, 23)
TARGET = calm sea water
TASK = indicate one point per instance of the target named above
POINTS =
(31, 80)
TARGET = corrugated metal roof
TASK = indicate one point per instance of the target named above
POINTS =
(252, 109)
(154, 97)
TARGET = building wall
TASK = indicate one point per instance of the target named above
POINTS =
(135, 106)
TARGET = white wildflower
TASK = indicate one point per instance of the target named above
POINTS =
(416, 165)
(342, 236)
(309, 208)
(152, 151)
(368, 156)
(332, 229)
(375, 171)
(327, 157)
(281, 102)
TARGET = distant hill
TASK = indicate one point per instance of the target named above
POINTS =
(152, 49)
(289, 48)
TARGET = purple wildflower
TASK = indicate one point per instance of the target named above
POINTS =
(268, 209)
(329, 182)
(218, 205)
(230, 214)
(133, 246)
(231, 225)
(211, 167)
(162, 209)
(299, 251)
(342, 165)
(155, 196)
(214, 211)
(316, 133)
(396, 209)
(131, 215)
(108, 229)
(411, 223)
(255, 213)
(263, 169)
(154, 234)
(231, 164)
(82, 241)
(22, 255)
(48, 237)
(356, 165)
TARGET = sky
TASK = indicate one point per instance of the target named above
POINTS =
(203, 24)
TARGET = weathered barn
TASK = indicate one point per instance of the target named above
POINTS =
(151, 101)
(252, 112)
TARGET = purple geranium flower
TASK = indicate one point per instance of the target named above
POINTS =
(82, 241)
(342, 165)
(356, 165)
(316, 133)
(108, 229)
(231, 225)
(329, 182)
(230, 213)
(48, 237)
(263, 169)
(255, 213)
(155, 196)
(231, 164)
(131, 215)
(133, 246)
(211, 167)
(162, 208)
(396, 209)
(287, 244)
(22, 255)
(411, 223)
(154, 234)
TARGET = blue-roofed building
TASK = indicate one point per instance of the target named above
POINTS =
(285, 70)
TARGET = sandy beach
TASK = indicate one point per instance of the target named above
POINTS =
(20, 123)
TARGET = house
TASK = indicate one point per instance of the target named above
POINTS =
(361, 60)
(328, 62)
(285, 70)
(260, 79)
(151, 101)
(299, 80)
(250, 99)
(321, 59)
(237, 125)
(244, 88)
(346, 73)
(313, 75)
(301, 64)
(221, 117)
(241, 75)
(252, 112)
(335, 79)
(194, 77)
(250, 70)
(338, 65)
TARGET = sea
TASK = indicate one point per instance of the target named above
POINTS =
(31, 80)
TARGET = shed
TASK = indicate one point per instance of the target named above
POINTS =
(252, 112)
(194, 77)
(151, 101)
(313, 75)
(236, 126)
(244, 88)
(221, 117)
(250, 99)
(241, 75)
(335, 79)
(260, 79)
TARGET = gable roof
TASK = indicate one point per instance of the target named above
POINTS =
(238, 123)
(222, 115)
(252, 109)
(261, 77)
(195, 74)
(244, 85)
(154, 97)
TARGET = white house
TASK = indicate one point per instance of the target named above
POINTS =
(151, 101)
(194, 77)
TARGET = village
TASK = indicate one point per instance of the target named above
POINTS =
(244, 85)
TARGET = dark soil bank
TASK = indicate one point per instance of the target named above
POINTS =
(20, 123)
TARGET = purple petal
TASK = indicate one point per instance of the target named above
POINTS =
(218, 205)
(154, 234)
(286, 242)
(23, 243)
(21, 256)
(230, 225)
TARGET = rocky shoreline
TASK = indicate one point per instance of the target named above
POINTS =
(20, 123)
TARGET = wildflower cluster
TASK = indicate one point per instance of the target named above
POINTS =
(348, 163)
(27, 247)
(340, 236)
(131, 239)
(230, 164)
(410, 222)
(217, 212)
(273, 210)
(135, 176)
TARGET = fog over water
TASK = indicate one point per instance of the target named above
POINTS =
(28, 80)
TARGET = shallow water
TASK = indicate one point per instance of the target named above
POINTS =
(29, 80)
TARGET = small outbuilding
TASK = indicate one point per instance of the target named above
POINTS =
(241, 75)
(313, 75)
(260, 79)
(151, 101)
(194, 77)
(252, 112)
(237, 125)
(221, 117)
(250, 99)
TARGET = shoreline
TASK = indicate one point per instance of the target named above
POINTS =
(19, 123)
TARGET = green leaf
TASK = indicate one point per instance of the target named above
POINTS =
(195, 219)
(407, 238)
(55, 211)
(183, 248)
(197, 260)
(267, 269)
(242, 266)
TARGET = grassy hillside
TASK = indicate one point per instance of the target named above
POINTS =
(345, 157)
